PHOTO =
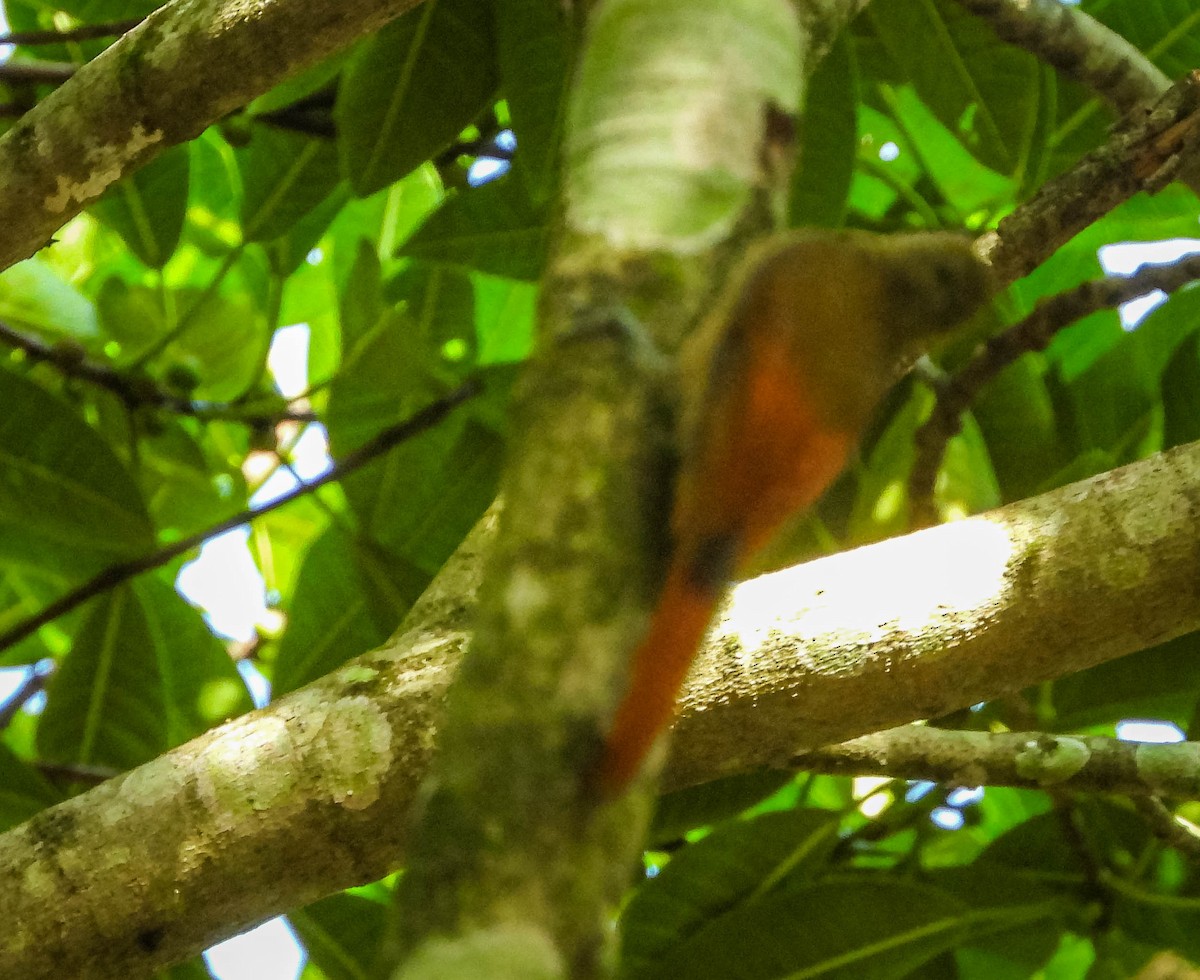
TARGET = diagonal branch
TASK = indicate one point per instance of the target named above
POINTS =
(309, 793)
(183, 68)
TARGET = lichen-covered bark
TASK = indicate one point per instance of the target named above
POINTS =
(286, 805)
(184, 68)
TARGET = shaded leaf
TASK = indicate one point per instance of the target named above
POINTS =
(849, 930)
(147, 208)
(535, 51)
(716, 877)
(66, 501)
(411, 89)
(144, 675)
(285, 176)
(23, 790)
(333, 618)
(341, 934)
(821, 182)
(493, 228)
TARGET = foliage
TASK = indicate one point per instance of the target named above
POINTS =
(341, 200)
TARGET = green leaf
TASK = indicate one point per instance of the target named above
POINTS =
(440, 302)
(683, 810)
(23, 790)
(1017, 418)
(493, 228)
(33, 296)
(1005, 954)
(505, 318)
(535, 51)
(284, 177)
(147, 208)
(223, 346)
(66, 502)
(874, 929)
(984, 90)
(332, 617)
(821, 182)
(144, 675)
(1162, 682)
(1181, 395)
(716, 877)
(410, 90)
(341, 934)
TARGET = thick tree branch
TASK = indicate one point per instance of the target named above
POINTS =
(305, 797)
(184, 67)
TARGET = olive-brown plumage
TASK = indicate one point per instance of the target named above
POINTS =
(777, 388)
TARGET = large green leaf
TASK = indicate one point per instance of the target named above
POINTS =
(34, 296)
(222, 347)
(873, 929)
(341, 934)
(535, 52)
(1162, 682)
(66, 502)
(717, 876)
(147, 208)
(494, 228)
(332, 616)
(983, 89)
(144, 675)
(821, 183)
(1018, 421)
(23, 790)
(284, 177)
(411, 89)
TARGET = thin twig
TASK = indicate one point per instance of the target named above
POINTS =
(1171, 829)
(76, 772)
(121, 572)
(37, 71)
(84, 32)
(138, 391)
(956, 393)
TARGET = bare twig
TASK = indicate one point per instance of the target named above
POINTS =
(138, 391)
(37, 71)
(1171, 829)
(84, 32)
(1032, 760)
(122, 572)
(955, 394)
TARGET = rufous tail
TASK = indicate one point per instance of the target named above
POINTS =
(657, 672)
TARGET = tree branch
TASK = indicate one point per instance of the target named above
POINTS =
(310, 793)
(1146, 151)
(140, 96)
(138, 391)
(956, 393)
(1030, 760)
(1077, 45)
